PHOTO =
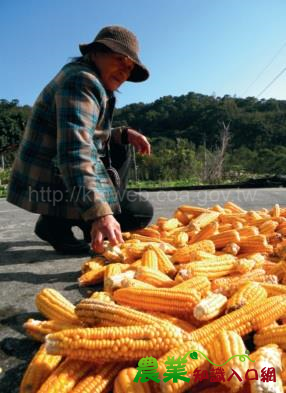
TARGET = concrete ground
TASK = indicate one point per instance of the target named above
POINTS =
(28, 264)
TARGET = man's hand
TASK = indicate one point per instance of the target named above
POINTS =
(103, 227)
(139, 141)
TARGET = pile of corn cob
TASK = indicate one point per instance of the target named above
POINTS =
(201, 280)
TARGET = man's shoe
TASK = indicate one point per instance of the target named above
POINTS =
(60, 236)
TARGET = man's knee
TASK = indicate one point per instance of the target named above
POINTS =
(136, 211)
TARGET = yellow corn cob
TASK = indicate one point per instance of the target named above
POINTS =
(205, 233)
(280, 249)
(164, 263)
(102, 297)
(222, 257)
(191, 364)
(184, 325)
(114, 282)
(225, 227)
(250, 292)
(124, 382)
(106, 344)
(150, 259)
(183, 254)
(267, 227)
(167, 238)
(243, 321)
(258, 258)
(111, 270)
(149, 232)
(64, 378)
(255, 244)
(92, 312)
(248, 231)
(252, 216)
(179, 229)
(39, 369)
(92, 277)
(160, 220)
(126, 235)
(205, 219)
(279, 269)
(195, 210)
(172, 223)
(228, 285)
(244, 265)
(237, 225)
(183, 275)
(217, 208)
(201, 256)
(231, 248)
(274, 238)
(145, 238)
(282, 231)
(135, 250)
(269, 278)
(227, 344)
(281, 224)
(222, 239)
(126, 258)
(210, 307)
(178, 303)
(167, 248)
(234, 207)
(39, 329)
(129, 242)
(230, 218)
(182, 217)
(268, 356)
(134, 265)
(211, 269)
(199, 283)
(271, 335)
(275, 212)
(153, 277)
(98, 380)
(113, 254)
(180, 239)
(55, 306)
(154, 226)
(274, 289)
(92, 264)
(132, 282)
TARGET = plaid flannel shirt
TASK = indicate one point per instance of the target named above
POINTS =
(58, 170)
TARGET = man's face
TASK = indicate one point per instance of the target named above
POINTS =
(114, 69)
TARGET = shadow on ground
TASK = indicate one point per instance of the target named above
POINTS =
(27, 252)
(15, 354)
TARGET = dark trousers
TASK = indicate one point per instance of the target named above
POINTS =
(136, 211)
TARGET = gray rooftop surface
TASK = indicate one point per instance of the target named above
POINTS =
(28, 264)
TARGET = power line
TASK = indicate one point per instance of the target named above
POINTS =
(264, 69)
(273, 80)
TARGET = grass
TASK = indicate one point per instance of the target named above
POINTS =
(195, 181)
(164, 183)
(3, 191)
(4, 179)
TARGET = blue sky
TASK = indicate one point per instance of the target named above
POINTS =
(206, 46)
